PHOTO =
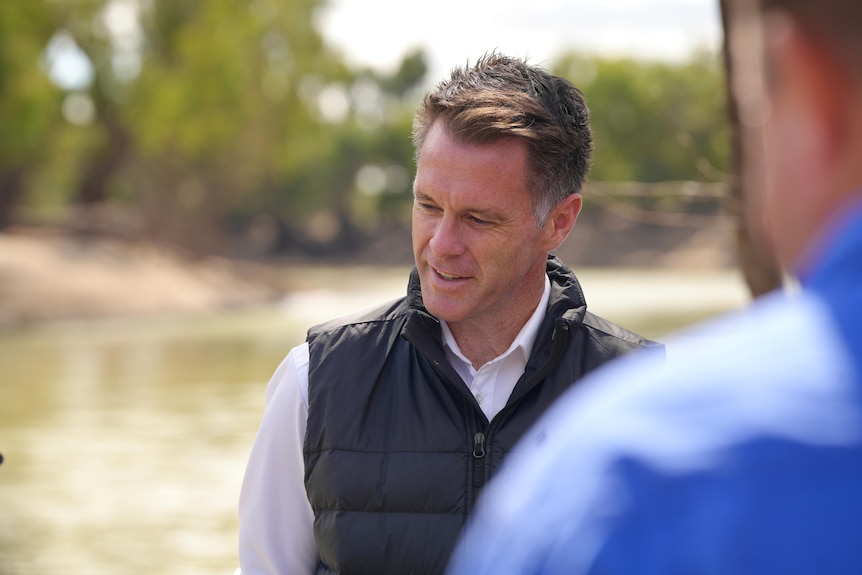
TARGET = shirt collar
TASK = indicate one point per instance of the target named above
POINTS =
(525, 339)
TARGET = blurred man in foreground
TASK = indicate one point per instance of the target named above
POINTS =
(744, 453)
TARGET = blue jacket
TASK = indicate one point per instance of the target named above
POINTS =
(742, 454)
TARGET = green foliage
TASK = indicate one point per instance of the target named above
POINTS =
(234, 110)
(652, 121)
(29, 104)
(197, 86)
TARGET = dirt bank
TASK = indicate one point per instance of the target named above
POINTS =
(48, 274)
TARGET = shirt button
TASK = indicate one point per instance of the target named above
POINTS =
(480, 398)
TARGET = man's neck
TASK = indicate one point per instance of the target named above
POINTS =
(481, 342)
(480, 347)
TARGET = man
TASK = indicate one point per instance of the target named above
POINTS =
(743, 454)
(381, 430)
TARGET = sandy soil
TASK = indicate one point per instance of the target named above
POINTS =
(49, 275)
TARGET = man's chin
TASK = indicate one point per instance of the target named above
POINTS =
(445, 310)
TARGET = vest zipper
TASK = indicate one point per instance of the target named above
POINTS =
(478, 463)
(479, 445)
(560, 341)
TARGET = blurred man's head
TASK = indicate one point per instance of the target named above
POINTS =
(813, 64)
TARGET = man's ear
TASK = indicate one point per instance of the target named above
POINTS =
(561, 220)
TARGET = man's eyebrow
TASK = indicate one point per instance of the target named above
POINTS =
(422, 197)
(483, 213)
(486, 214)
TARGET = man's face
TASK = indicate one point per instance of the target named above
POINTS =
(786, 138)
(480, 255)
(799, 142)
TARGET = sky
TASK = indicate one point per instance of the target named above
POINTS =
(378, 33)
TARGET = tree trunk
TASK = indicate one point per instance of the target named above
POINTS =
(745, 105)
(93, 188)
(11, 179)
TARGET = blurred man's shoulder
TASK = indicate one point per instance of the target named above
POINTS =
(739, 376)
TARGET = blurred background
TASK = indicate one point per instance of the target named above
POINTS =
(187, 185)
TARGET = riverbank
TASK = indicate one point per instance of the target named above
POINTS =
(49, 274)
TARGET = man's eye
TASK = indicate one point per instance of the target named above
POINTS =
(480, 221)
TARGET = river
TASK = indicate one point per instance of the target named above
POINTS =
(125, 440)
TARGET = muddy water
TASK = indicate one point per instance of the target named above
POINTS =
(125, 441)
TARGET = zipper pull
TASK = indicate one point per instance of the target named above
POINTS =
(479, 445)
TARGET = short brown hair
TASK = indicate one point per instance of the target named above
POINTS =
(503, 97)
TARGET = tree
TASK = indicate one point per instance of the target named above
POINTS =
(29, 104)
(198, 113)
(327, 203)
(653, 121)
(217, 110)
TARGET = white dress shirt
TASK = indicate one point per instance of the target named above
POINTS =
(276, 533)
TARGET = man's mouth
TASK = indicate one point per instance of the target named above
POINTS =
(448, 277)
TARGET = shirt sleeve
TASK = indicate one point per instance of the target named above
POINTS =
(275, 518)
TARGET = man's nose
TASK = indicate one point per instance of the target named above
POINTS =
(448, 237)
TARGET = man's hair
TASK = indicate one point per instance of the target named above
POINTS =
(502, 97)
(836, 23)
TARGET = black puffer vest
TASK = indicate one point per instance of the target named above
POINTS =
(397, 448)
